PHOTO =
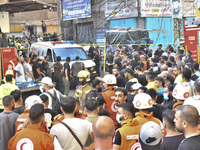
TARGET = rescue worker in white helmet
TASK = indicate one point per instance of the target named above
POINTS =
(180, 93)
(142, 102)
(83, 88)
(108, 96)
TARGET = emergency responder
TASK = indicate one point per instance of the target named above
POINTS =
(109, 81)
(130, 126)
(6, 89)
(11, 73)
(142, 102)
(22, 121)
(180, 93)
(83, 88)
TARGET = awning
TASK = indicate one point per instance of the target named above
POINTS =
(23, 6)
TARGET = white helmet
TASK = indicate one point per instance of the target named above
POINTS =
(110, 79)
(31, 100)
(193, 101)
(182, 91)
(142, 101)
(47, 80)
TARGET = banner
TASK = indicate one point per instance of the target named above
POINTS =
(117, 9)
(177, 9)
(100, 34)
(197, 8)
(188, 8)
(73, 9)
(155, 8)
(9, 59)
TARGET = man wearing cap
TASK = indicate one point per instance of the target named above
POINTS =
(186, 121)
(129, 74)
(47, 88)
(7, 123)
(159, 51)
(109, 81)
(32, 137)
(6, 89)
(20, 70)
(142, 102)
(150, 136)
(127, 137)
(133, 91)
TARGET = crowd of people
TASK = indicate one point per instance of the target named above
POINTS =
(147, 100)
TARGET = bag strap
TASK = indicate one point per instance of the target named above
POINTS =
(49, 94)
(77, 139)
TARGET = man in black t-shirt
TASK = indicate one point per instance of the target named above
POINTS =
(120, 80)
(186, 121)
(159, 51)
(91, 50)
(96, 60)
(35, 68)
(19, 107)
(66, 76)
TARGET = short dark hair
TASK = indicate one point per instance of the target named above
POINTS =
(68, 59)
(197, 85)
(189, 114)
(7, 100)
(169, 115)
(116, 68)
(58, 58)
(77, 58)
(150, 75)
(138, 68)
(91, 105)
(187, 73)
(152, 93)
(149, 54)
(170, 87)
(44, 98)
(196, 66)
(9, 77)
(128, 107)
(190, 53)
(104, 112)
(143, 88)
(68, 104)
(171, 58)
(16, 94)
(95, 82)
(34, 56)
(36, 113)
(27, 59)
(121, 89)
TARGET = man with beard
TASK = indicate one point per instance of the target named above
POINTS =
(120, 96)
(7, 123)
(83, 88)
(120, 80)
(186, 121)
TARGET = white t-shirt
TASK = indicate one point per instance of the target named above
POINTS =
(27, 69)
(80, 127)
(20, 68)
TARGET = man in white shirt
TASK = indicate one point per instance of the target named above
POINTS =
(28, 71)
(80, 127)
(19, 70)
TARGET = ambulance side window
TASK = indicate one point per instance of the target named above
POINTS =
(49, 55)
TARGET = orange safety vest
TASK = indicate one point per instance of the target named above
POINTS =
(130, 134)
(22, 118)
(109, 97)
(144, 117)
(33, 138)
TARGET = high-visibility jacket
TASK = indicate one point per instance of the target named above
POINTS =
(6, 89)
(81, 92)
(144, 117)
(33, 138)
(130, 134)
(177, 105)
(22, 118)
(109, 97)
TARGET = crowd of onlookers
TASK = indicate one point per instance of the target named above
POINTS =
(148, 99)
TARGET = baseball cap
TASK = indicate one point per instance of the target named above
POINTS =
(129, 70)
(164, 74)
(129, 64)
(150, 136)
(47, 80)
(136, 86)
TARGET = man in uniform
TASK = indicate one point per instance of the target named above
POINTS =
(32, 137)
(127, 137)
(108, 96)
(83, 88)
(142, 102)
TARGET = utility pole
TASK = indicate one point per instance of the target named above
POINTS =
(140, 20)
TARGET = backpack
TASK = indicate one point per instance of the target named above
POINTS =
(55, 101)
